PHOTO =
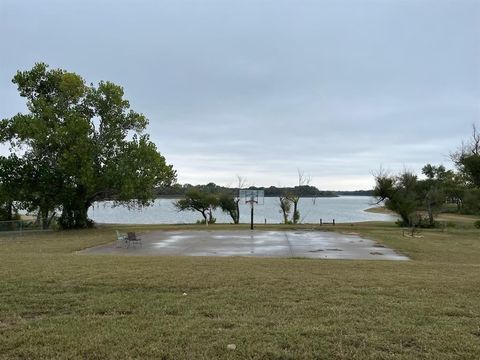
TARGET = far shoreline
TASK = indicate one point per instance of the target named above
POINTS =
(379, 210)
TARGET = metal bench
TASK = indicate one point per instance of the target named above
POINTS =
(121, 239)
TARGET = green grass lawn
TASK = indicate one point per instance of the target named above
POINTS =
(57, 304)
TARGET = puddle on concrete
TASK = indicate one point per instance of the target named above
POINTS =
(311, 244)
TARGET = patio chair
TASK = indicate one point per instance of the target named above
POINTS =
(133, 239)
(121, 239)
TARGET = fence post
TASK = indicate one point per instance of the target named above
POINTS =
(321, 222)
(333, 222)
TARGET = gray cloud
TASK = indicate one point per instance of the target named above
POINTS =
(261, 88)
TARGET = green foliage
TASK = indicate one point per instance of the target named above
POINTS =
(230, 204)
(399, 194)
(10, 184)
(471, 202)
(82, 144)
(210, 221)
(199, 201)
(467, 159)
(470, 165)
(418, 202)
(272, 191)
(432, 190)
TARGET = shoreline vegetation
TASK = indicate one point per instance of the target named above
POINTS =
(443, 216)
(179, 190)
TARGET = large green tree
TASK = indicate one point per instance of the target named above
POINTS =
(80, 144)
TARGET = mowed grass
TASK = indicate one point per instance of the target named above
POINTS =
(59, 304)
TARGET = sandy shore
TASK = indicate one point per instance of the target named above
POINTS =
(379, 210)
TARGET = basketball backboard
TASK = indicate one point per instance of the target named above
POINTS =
(248, 196)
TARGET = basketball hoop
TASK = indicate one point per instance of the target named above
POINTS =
(252, 197)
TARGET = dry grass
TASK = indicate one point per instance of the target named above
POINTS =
(56, 304)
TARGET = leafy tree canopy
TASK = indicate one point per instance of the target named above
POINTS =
(200, 201)
(81, 144)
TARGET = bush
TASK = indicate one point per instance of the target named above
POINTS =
(477, 224)
(471, 202)
(211, 221)
(418, 220)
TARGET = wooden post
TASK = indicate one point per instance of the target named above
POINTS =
(333, 222)
(321, 223)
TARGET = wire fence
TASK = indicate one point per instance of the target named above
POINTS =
(20, 226)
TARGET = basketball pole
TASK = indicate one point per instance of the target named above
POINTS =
(250, 197)
(251, 215)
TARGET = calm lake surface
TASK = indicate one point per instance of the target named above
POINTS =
(343, 209)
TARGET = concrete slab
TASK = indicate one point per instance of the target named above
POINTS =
(308, 244)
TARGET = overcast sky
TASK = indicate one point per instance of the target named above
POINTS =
(262, 88)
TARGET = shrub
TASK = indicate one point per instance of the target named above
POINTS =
(211, 221)
(471, 202)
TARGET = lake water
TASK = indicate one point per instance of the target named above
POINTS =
(343, 209)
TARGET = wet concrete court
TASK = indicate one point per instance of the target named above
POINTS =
(308, 244)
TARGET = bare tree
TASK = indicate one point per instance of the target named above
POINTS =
(475, 141)
(295, 195)
(285, 207)
(470, 147)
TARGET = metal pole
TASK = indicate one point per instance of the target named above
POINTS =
(251, 216)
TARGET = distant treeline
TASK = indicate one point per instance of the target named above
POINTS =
(272, 191)
(354, 193)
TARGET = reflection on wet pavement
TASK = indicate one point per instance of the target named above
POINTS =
(309, 244)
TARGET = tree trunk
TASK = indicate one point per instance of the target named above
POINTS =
(233, 216)
(210, 215)
(75, 215)
(296, 215)
(44, 217)
(236, 220)
(430, 213)
(49, 221)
